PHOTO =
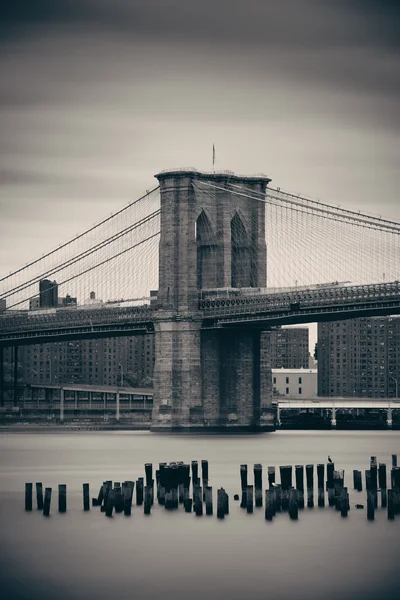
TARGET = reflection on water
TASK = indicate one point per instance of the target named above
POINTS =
(174, 554)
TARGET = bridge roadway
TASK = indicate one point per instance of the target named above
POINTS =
(221, 310)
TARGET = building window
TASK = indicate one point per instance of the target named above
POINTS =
(300, 391)
(274, 380)
(287, 379)
(287, 390)
(300, 380)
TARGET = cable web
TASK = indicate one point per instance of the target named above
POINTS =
(113, 260)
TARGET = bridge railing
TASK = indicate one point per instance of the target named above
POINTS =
(220, 306)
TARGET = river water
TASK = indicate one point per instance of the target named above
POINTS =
(81, 555)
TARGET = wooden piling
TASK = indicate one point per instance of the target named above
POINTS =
(330, 468)
(320, 479)
(357, 480)
(310, 485)
(343, 502)
(204, 471)
(62, 498)
(139, 491)
(243, 483)
(269, 505)
(383, 484)
(258, 485)
(86, 497)
(188, 505)
(293, 503)
(390, 505)
(47, 502)
(286, 484)
(148, 469)
(209, 502)
(370, 497)
(220, 504)
(299, 476)
(198, 503)
(39, 496)
(174, 485)
(374, 479)
(118, 499)
(226, 502)
(249, 499)
(127, 497)
(28, 496)
(147, 500)
(396, 489)
(107, 486)
(271, 477)
(195, 473)
(278, 497)
(110, 502)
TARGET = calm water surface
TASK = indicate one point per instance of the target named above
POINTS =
(174, 554)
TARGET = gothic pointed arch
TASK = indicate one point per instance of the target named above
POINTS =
(206, 253)
(240, 254)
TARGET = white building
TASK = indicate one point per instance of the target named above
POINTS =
(295, 383)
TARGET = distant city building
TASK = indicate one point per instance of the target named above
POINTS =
(34, 303)
(296, 383)
(289, 348)
(67, 301)
(48, 293)
(359, 357)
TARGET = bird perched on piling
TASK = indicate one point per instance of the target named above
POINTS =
(329, 459)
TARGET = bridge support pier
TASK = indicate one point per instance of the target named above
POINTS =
(389, 419)
(62, 405)
(333, 420)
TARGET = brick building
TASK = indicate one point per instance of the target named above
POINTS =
(289, 348)
(359, 357)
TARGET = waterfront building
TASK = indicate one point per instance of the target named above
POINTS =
(359, 357)
(295, 383)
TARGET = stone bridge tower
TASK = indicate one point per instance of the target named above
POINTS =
(211, 238)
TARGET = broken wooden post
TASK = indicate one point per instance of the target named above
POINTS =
(62, 498)
(47, 502)
(226, 502)
(383, 484)
(243, 483)
(249, 499)
(118, 499)
(148, 469)
(286, 483)
(209, 502)
(188, 505)
(330, 467)
(39, 496)
(320, 478)
(293, 503)
(139, 491)
(204, 472)
(28, 496)
(258, 484)
(357, 480)
(174, 485)
(86, 497)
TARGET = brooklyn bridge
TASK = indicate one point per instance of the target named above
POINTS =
(210, 263)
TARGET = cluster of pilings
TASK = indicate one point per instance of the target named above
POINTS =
(179, 483)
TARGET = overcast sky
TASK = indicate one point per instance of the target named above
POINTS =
(96, 96)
